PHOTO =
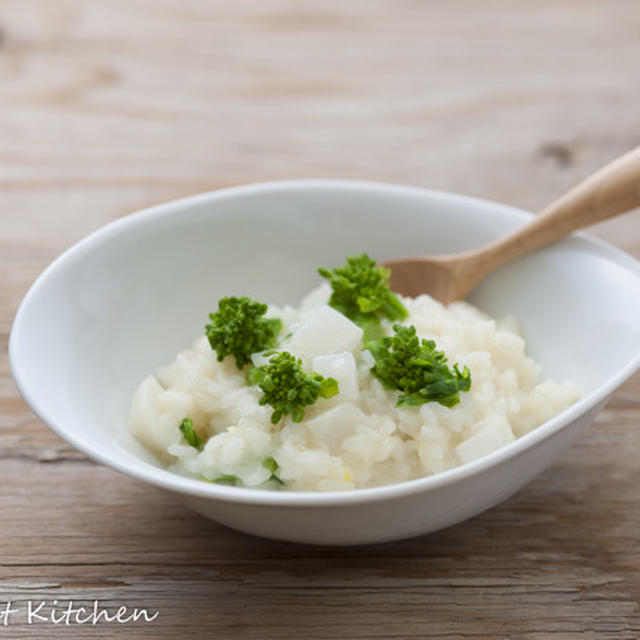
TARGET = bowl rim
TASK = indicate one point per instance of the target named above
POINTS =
(175, 482)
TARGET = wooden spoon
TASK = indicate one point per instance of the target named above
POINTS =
(612, 190)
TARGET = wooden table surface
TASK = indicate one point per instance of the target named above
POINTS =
(107, 106)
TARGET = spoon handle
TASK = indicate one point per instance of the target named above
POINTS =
(612, 190)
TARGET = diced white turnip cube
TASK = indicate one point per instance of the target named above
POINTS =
(484, 442)
(149, 424)
(341, 367)
(331, 427)
(325, 331)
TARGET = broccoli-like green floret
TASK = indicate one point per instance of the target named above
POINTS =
(361, 292)
(417, 369)
(237, 328)
(287, 388)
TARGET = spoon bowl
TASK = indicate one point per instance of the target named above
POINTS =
(124, 300)
(612, 190)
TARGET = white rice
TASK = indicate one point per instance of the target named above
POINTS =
(357, 438)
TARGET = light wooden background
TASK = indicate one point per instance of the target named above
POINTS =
(107, 106)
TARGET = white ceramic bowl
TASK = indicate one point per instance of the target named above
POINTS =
(127, 298)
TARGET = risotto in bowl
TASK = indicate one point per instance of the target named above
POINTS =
(333, 429)
(362, 435)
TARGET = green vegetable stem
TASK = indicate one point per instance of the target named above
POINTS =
(271, 465)
(231, 480)
(189, 433)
